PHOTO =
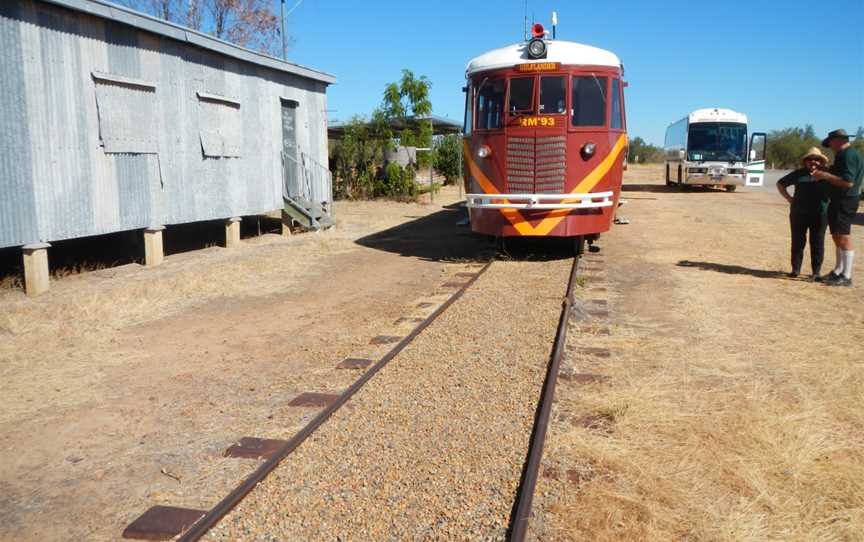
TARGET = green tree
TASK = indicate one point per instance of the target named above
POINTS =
(448, 157)
(641, 152)
(405, 103)
(786, 146)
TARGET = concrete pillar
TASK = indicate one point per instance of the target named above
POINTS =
(232, 232)
(153, 251)
(36, 274)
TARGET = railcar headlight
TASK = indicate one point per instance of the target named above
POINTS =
(537, 48)
(588, 150)
(484, 151)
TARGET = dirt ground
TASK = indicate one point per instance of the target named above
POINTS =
(119, 374)
(730, 407)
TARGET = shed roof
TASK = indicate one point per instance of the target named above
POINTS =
(114, 12)
(440, 126)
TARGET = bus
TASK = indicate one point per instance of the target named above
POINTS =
(709, 147)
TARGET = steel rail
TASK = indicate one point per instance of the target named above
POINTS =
(223, 507)
(521, 514)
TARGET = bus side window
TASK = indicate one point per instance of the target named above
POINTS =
(617, 117)
(468, 123)
(589, 100)
(490, 104)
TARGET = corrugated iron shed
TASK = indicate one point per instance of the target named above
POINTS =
(114, 121)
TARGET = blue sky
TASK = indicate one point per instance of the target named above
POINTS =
(783, 63)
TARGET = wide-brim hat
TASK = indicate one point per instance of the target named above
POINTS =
(816, 153)
(841, 133)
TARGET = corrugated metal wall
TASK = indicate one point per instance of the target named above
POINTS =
(58, 181)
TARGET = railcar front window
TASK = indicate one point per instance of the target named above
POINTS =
(717, 141)
(522, 95)
(553, 95)
(589, 100)
(490, 104)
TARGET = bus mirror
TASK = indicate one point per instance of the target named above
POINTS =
(752, 154)
(681, 154)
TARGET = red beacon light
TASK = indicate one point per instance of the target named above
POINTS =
(537, 31)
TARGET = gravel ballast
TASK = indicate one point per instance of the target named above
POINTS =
(433, 446)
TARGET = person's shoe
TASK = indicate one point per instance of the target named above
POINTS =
(816, 277)
(830, 277)
(841, 281)
(792, 274)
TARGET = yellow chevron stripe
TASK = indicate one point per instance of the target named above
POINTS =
(554, 217)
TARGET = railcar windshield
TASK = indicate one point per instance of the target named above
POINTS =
(553, 95)
(724, 141)
(522, 95)
(589, 100)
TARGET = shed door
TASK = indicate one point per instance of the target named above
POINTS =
(290, 156)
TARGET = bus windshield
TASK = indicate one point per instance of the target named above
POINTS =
(723, 141)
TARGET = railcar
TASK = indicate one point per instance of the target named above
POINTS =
(545, 139)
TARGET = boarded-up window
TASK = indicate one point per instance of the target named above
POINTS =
(219, 119)
(127, 114)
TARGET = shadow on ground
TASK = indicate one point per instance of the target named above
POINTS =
(83, 254)
(662, 188)
(732, 269)
(446, 236)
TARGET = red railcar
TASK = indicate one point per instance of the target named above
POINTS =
(545, 139)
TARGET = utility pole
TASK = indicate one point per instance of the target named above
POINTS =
(284, 38)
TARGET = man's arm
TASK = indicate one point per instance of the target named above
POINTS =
(839, 182)
(782, 188)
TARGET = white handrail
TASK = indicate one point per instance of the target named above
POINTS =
(589, 200)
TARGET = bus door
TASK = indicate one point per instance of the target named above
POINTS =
(756, 164)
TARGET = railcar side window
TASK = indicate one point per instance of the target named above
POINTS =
(553, 95)
(589, 100)
(490, 104)
(617, 122)
(522, 95)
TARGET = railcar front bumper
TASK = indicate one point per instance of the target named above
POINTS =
(590, 200)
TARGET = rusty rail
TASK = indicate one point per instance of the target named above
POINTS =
(521, 514)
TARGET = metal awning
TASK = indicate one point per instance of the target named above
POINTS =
(440, 126)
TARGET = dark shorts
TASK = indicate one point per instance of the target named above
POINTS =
(841, 214)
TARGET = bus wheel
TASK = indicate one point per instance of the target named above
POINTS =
(731, 187)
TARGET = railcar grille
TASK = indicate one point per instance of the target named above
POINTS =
(536, 165)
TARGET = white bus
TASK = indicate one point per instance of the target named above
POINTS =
(710, 147)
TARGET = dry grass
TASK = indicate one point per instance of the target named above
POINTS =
(734, 405)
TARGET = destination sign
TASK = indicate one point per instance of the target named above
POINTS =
(538, 67)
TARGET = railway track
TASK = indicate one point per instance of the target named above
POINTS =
(521, 509)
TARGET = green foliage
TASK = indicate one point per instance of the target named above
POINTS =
(644, 153)
(785, 147)
(397, 182)
(357, 158)
(406, 99)
(448, 157)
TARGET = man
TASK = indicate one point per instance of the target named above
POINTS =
(844, 179)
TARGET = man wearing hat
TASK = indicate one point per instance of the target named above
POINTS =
(843, 187)
(807, 211)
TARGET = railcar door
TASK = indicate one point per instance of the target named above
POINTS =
(756, 164)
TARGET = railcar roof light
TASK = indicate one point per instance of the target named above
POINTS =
(537, 48)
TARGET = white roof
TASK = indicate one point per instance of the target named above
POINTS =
(717, 115)
(565, 52)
